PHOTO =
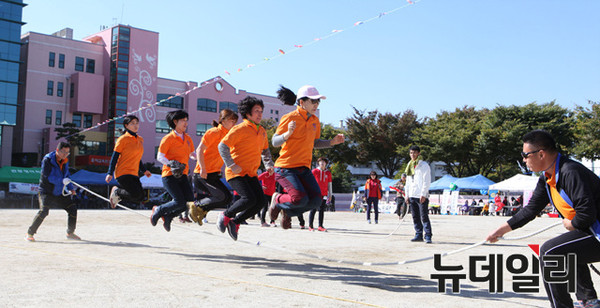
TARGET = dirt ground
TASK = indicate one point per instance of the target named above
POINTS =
(123, 261)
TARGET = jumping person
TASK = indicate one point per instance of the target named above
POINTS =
(207, 174)
(55, 168)
(241, 150)
(297, 134)
(174, 152)
(574, 191)
(126, 163)
(323, 177)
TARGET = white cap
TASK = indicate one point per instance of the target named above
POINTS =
(310, 92)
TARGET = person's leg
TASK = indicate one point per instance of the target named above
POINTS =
(424, 208)
(322, 213)
(311, 186)
(311, 218)
(416, 214)
(301, 221)
(181, 192)
(41, 214)
(369, 204)
(296, 196)
(219, 197)
(71, 208)
(263, 213)
(131, 188)
(247, 198)
(587, 249)
(376, 209)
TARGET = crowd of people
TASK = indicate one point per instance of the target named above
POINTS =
(293, 188)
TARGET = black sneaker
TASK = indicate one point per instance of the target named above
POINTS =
(167, 223)
(417, 238)
(232, 229)
(154, 217)
(222, 222)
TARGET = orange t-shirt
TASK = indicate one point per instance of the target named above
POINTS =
(211, 139)
(175, 148)
(246, 143)
(297, 150)
(131, 149)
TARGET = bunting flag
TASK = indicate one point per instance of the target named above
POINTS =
(265, 59)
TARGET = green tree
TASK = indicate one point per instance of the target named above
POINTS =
(71, 134)
(586, 131)
(504, 127)
(380, 137)
(451, 137)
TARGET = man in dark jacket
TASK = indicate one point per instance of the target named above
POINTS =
(574, 191)
(55, 168)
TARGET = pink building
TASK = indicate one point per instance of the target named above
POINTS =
(103, 76)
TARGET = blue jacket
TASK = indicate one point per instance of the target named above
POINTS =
(51, 179)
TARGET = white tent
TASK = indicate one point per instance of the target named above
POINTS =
(154, 181)
(519, 182)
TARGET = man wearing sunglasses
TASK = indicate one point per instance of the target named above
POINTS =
(574, 191)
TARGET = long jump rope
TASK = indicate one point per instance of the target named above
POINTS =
(66, 181)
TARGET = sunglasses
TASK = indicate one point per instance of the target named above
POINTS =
(526, 154)
(315, 101)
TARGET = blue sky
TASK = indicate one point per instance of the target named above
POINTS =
(429, 57)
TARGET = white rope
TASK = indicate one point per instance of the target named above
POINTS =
(312, 256)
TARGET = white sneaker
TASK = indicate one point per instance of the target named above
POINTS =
(114, 199)
(273, 209)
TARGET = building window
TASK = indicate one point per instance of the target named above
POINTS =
(58, 120)
(51, 59)
(201, 128)
(228, 105)
(174, 102)
(92, 148)
(59, 89)
(79, 64)
(77, 119)
(276, 111)
(90, 66)
(207, 105)
(162, 127)
(88, 119)
(48, 117)
(61, 60)
(72, 90)
(50, 90)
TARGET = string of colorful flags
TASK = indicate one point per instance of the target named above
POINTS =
(281, 52)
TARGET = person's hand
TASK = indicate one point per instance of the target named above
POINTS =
(177, 168)
(235, 169)
(339, 138)
(496, 234)
(291, 128)
(423, 199)
(147, 173)
(108, 178)
(568, 225)
(203, 173)
(73, 193)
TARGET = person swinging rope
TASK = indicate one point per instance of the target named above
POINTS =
(297, 134)
(126, 162)
(207, 174)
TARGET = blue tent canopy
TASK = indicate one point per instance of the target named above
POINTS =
(443, 182)
(475, 182)
(85, 177)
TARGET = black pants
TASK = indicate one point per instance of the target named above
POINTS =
(311, 216)
(131, 188)
(587, 249)
(263, 212)
(219, 195)
(47, 201)
(373, 201)
(181, 191)
(252, 199)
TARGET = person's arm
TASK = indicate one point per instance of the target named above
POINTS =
(113, 163)
(425, 179)
(279, 139)
(329, 189)
(225, 153)
(162, 158)
(323, 144)
(537, 203)
(200, 155)
(581, 194)
(496, 234)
